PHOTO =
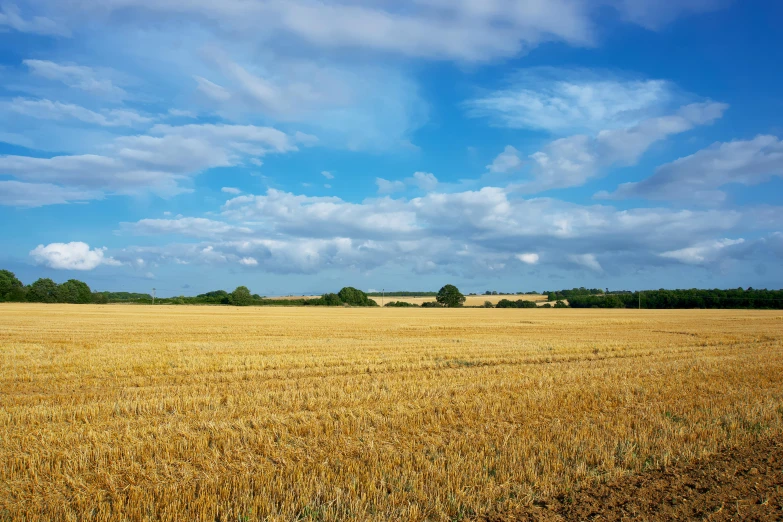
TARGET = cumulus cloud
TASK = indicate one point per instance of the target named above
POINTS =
(71, 256)
(572, 161)
(698, 177)
(463, 232)
(528, 259)
(389, 187)
(506, 161)
(425, 181)
(248, 261)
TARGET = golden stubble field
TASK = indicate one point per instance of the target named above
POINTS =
(217, 413)
(470, 300)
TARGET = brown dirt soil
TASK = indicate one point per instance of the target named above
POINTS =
(736, 484)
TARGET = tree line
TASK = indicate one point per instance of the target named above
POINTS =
(693, 298)
(45, 290)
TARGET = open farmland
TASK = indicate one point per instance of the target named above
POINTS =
(470, 300)
(207, 413)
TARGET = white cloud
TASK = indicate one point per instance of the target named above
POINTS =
(653, 15)
(572, 161)
(466, 30)
(327, 174)
(702, 252)
(47, 109)
(160, 162)
(212, 90)
(185, 226)
(528, 259)
(425, 181)
(352, 104)
(75, 76)
(19, 194)
(587, 261)
(562, 100)
(461, 233)
(11, 17)
(231, 190)
(71, 256)
(506, 161)
(389, 187)
(179, 113)
(248, 261)
(698, 177)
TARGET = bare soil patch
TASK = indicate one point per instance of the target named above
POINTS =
(743, 483)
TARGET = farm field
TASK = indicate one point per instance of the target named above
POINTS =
(470, 300)
(221, 413)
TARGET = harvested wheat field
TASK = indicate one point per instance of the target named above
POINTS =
(470, 300)
(217, 413)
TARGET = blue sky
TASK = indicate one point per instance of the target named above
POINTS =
(298, 146)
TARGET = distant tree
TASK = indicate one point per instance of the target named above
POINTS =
(43, 291)
(401, 304)
(450, 297)
(560, 304)
(488, 304)
(546, 305)
(11, 288)
(217, 294)
(354, 297)
(431, 304)
(74, 291)
(100, 298)
(331, 300)
(241, 297)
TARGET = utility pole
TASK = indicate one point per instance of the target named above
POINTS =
(153, 296)
(640, 299)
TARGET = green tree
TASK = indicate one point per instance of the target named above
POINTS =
(450, 297)
(241, 296)
(42, 291)
(331, 300)
(74, 291)
(560, 304)
(11, 289)
(354, 297)
(100, 298)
